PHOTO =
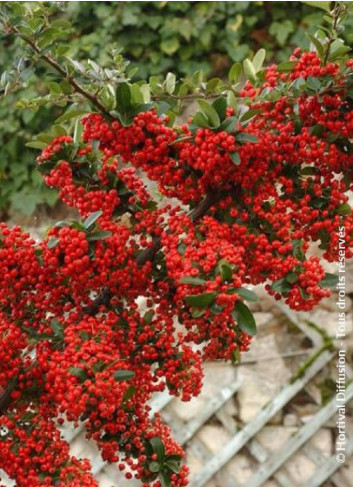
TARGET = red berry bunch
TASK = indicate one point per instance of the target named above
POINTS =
(131, 297)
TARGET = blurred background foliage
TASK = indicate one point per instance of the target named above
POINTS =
(156, 37)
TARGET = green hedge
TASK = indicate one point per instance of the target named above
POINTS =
(187, 36)
(156, 37)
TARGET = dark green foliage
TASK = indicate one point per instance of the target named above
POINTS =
(156, 37)
(187, 36)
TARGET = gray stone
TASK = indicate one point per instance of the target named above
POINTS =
(300, 468)
(290, 420)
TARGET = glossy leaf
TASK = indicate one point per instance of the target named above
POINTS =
(122, 375)
(249, 70)
(201, 301)
(78, 372)
(246, 294)
(235, 157)
(192, 281)
(220, 106)
(330, 280)
(158, 447)
(91, 219)
(99, 235)
(71, 114)
(344, 209)
(53, 242)
(224, 269)
(258, 59)
(57, 328)
(243, 137)
(244, 318)
(281, 286)
(210, 113)
(235, 73)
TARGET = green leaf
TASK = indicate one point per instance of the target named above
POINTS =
(154, 466)
(229, 125)
(220, 106)
(48, 36)
(235, 73)
(258, 59)
(57, 328)
(98, 366)
(246, 294)
(122, 375)
(61, 24)
(235, 157)
(337, 50)
(281, 286)
(170, 46)
(224, 269)
(58, 130)
(78, 372)
(36, 145)
(317, 44)
(244, 318)
(181, 249)
(344, 209)
(148, 316)
(78, 132)
(317, 130)
(322, 5)
(192, 281)
(165, 479)
(197, 313)
(281, 30)
(243, 137)
(298, 253)
(123, 98)
(292, 277)
(99, 235)
(210, 113)
(330, 280)
(313, 83)
(286, 66)
(46, 138)
(318, 202)
(236, 357)
(174, 458)
(249, 70)
(33, 333)
(232, 100)
(158, 447)
(173, 465)
(46, 167)
(70, 114)
(170, 83)
(213, 84)
(129, 393)
(200, 120)
(308, 170)
(249, 114)
(53, 242)
(304, 293)
(201, 301)
(91, 219)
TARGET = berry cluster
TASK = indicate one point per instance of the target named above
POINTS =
(130, 299)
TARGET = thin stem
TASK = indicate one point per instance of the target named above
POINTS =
(57, 67)
(335, 14)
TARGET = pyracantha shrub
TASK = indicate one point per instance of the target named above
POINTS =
(130, 298)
